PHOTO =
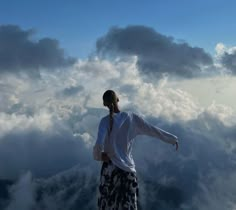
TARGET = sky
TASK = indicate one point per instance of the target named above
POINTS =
(77, 24)
(172, 62)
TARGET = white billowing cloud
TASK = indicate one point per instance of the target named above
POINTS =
(149, 98)
(207, 91)
(224, 113)
(20, 122)
(165, 102)
(221, 49)
(47, 121)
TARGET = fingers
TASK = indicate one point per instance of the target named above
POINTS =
(177, 146)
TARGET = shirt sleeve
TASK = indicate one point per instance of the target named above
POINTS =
(99, 145)
(142, 127)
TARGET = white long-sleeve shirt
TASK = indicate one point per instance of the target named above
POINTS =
(118, 146)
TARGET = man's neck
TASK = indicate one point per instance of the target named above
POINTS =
(116, 110)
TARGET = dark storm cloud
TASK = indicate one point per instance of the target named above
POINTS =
(229, 61)
(18, 51)
(156, 53)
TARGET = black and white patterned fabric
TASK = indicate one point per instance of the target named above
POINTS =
(118, 189)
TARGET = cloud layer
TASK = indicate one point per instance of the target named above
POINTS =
(48, 128)
(156, 52)
(49, 125)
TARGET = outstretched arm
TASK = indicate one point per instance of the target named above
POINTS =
(142, 127)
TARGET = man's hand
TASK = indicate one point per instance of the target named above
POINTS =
(176, 145)
(105, 157)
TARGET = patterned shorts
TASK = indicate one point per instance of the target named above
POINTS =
(118, 189)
